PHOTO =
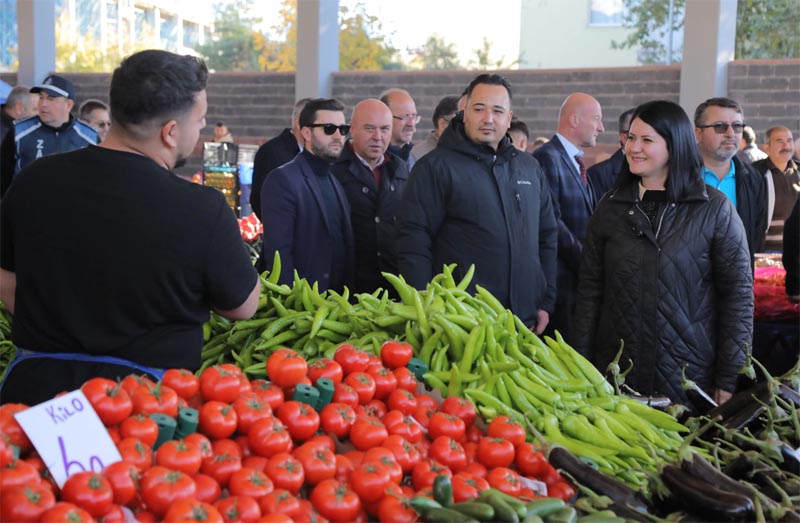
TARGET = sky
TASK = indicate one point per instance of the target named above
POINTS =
(464, 23)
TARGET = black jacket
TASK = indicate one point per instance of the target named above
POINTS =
(751, 204)
(373, 214)
(602, 175)
(791, 251)
(271, 155)
(681, 297)
(467, 204)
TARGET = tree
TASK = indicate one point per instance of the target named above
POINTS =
(437, 54)
(762, 29)
(483, 60)
(234, 45)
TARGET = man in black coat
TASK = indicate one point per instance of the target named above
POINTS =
(602, 175)
(373, 181)
(274, 153)
(476, 199)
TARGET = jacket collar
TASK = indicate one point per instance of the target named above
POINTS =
(629, 192)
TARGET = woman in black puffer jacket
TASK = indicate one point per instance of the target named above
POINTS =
(666, 267)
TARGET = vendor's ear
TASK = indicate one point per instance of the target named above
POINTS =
(169, 133)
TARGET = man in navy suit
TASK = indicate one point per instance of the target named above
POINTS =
(602, 175)
(580, 121)
(305, 210)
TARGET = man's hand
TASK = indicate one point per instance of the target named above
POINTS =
(721, 396)
(542, 319)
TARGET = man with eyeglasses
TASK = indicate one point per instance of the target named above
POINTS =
(404, 123)
(305, 211)
(445, 110)
(602, 175)
(95, 113)
(719, 123)
(373, 181)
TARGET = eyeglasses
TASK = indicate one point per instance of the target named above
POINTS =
(408, 117)
(722, 127)
(329, 128)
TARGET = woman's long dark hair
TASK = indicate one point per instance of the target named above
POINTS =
(685, 163)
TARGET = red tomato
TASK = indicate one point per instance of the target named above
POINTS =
(351, 359)
(397, 509)
(113, 433)
(374, 408)
(385, 382)
(423, 446)
(190, 509)
(90, 491)
(258, 463)
(111, 402)
(505, 480)
(476, 469)
(474, 434)
(221, 467)
(397, 423)
(140, 426)
(344, 468)
(177, 455)
(406, 379)
(385, 457)
(160, 487)
(363, 384)
(402, 400)
(426, 400)
(529, 461)
(449, 453)
(506, 428)
(63, 511)
(268, 437)
(114, 515)
(336, 418)
(220, 383)
(227, 446)
(334, 501)
(325, 368)
(249, 409)
(426, 471)
(286, 472)
(131, 382)
(356, 457)
(301, 420)
(19, 473)
(471, 450)
(25, 503)
(319, 463)
(286, 368)
(406, 455)
(248, 482)
(561, 490)
(495, 452)
(279, 501)
(367, 432)
(238, 508)
(124, 480)
(442, 424)
(208, 489)
(217, 419)
(201, 442)
(423, 415)
(154, 399)
(551, 475)
(370, 481)
(395, 354)
(275, 518)
(267, 392)
(467, 486)
(343, 393)
(182, 381)
(463, 408)
(6, 451)
(11, 429)
(134, 451)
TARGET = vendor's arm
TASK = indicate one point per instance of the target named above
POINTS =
(8, 288)
(246, 309)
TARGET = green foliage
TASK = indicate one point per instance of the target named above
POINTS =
(437, 54)
(649, 20)
(483, 60)
(234, 44)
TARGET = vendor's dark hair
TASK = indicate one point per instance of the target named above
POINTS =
(309, 112)
(672, 123)
(489, 79)
(155, 86)
(446, 106)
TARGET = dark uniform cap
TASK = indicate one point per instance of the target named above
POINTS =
(55, 85)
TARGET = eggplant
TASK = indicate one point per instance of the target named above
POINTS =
(745, 416)
(740, 400)
(697, 496)
(700, 468)
(604, 485)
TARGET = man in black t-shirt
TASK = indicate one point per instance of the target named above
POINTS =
(118, 267)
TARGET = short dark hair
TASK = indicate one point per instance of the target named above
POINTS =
(489, 79)
(155, 86)
(90, 105)
(685, 164)
(749, 135)
(447, 105)
(625, 119)
(773, 129)
(309, 112)
(720, 101)
(519, 125)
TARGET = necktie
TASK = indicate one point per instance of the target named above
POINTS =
(582, 166)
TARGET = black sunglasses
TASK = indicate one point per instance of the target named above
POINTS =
(722, 127)
(329, 128)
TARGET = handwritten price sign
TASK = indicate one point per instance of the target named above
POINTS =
(68, 435)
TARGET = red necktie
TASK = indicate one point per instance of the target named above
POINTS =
(579, 159)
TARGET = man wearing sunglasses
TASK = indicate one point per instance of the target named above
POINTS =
(719, 123)
(305, 211)
(404, 123)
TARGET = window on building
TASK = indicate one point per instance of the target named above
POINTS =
(606, 12)
(191, 34)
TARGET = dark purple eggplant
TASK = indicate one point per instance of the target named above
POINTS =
(740, 400)
(700, 468)
(700, 497)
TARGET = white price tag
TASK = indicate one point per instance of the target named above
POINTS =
(68, 435)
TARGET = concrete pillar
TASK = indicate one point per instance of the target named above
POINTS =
(709, 42)
(317, 47)
(36, 37)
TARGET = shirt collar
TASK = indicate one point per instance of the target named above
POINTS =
(569, 147)
(731, 172)
(366, 163)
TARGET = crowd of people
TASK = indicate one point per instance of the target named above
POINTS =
(653, 247)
